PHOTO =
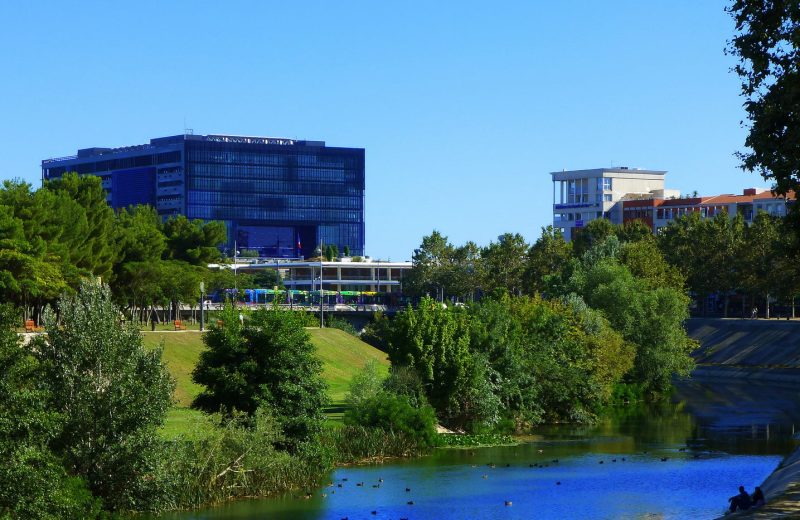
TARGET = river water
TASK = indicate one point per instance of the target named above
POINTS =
(680, 459)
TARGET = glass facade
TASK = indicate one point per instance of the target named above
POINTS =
(279, 197)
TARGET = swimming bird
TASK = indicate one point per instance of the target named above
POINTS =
(410, 502)
(664, 459)
(360, 484)
(408, 490)
(558, 483)
(376, 485)
(508, 502)
(374, 512)
(541, 451)
(338, 485)
(484, 476)
(554, 461)
(380, 480)
(601, 462)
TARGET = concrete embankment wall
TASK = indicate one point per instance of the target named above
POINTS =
(755, 350)
(758, 349)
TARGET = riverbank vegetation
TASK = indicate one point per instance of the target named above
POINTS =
(556, 331)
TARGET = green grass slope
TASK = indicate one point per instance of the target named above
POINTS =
(342, 356)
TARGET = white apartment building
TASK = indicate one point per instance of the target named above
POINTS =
(580, 196)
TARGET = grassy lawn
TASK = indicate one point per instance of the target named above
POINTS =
(342, 356)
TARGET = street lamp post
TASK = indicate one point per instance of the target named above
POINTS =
(202, 306)
(321, 298)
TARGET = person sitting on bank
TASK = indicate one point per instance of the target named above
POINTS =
(758, 499)
(741, 501)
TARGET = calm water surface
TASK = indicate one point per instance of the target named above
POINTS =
(714, 438)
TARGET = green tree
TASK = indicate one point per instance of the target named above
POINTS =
(683, 243)
(649, 318)
(761, 258)
(595, 232)
(767, 44)
(194, 241)
(645, 261)
(634, 231)
(546, 257)
(267, 361)
(33, 482)
(113, 394)
(140, 244)
(434, 341)
(95, 252)
(503, 263)
(431, 262)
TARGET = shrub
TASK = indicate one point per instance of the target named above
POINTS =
(396, 414)
(365, 385)
(237, 459)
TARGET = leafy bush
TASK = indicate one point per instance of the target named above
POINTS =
(394, 413)
(404, 381)
(377, 331)
(366, 384)
(334, 322)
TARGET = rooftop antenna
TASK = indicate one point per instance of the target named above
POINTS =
(186, 130)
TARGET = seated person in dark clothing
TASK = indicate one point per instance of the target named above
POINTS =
(758, 498)
(741, 501)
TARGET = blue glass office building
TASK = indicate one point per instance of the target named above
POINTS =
(281, 197)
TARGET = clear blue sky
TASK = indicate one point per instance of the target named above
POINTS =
(463, 107)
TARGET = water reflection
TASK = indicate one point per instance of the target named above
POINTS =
(677, 459)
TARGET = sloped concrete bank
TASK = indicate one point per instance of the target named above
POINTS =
(766, 351)
(757, 350)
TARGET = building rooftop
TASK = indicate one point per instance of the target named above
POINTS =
(614, 169)
(175, 139)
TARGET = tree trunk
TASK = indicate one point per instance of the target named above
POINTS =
(766, 309)
(727, 300)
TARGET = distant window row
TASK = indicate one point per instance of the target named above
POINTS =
(256, 199)
(251, 213)
(248, 172)
(278, 187)
(272, 158)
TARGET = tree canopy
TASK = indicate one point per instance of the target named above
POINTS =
(767, 44)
